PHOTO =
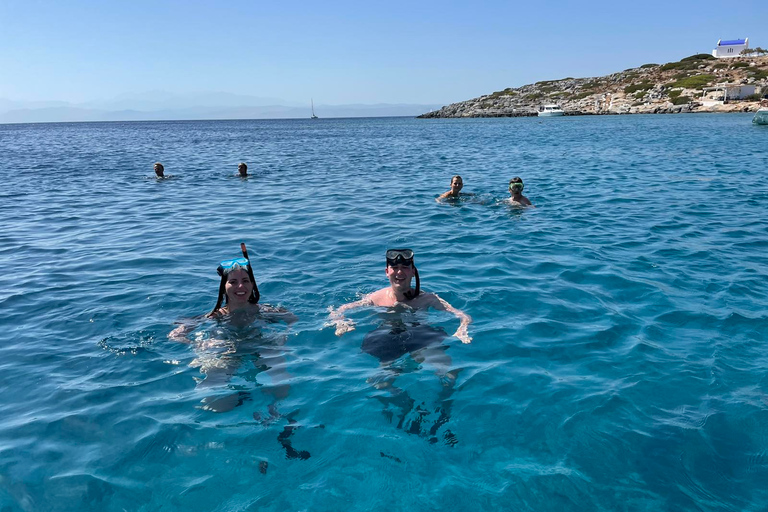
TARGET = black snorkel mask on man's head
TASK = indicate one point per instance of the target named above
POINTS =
(405, 257)
(227, 266)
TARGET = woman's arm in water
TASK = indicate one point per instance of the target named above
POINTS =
(464, 318)
(337, 315)
(278, 314)
(186, 326)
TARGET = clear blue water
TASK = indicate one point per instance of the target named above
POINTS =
(618, 363)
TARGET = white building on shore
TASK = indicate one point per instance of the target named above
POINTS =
(731, 48)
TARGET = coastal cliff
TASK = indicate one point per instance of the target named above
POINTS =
(674, 87)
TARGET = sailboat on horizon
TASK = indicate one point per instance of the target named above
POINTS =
(313, 109)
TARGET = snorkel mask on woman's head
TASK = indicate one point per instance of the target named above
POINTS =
(227, 266)
(405, 257)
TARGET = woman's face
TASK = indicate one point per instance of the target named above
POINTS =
(239, 287)
(456, 184)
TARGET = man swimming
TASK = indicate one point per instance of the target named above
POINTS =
(159, 170)
(242, 170)
(399, 335)
(516, 192)
(400, 271)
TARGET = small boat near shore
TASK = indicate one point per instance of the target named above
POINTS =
(761, 116)
(551, 111)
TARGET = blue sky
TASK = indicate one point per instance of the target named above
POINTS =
(341, 52)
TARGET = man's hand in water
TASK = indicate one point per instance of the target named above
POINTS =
(462, 334)
(342, 324)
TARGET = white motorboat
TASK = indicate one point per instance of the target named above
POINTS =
(761, 116)
(550, 111)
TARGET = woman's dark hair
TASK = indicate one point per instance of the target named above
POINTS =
(253, 299)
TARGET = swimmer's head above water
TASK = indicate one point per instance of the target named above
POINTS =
(400, 270)
(237, 286)
(242, 169)
(516, 185)
(159, 169)
(457, 183)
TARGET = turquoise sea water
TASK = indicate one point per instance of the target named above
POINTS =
(619, 358)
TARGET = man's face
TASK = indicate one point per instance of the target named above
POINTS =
(400, 276)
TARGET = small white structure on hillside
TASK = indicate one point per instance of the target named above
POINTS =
(731, 48)
(721, 93)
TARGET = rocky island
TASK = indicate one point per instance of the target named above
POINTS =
(699, 83)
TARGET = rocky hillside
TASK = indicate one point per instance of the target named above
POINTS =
(651, 88)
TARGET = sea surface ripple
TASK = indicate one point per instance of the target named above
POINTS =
(619, 355)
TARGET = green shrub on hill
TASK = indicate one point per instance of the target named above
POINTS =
(646, 66)
(674, 94)
(681, 100)
(694, 82)
(642, 86)
(699, 56)
(506, 92)
(582, 95)
(740, 65)
(684, 64)
(759, 74)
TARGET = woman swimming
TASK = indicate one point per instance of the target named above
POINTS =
(457, 183)
(238, 333)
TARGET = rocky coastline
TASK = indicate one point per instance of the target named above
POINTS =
(675, 87)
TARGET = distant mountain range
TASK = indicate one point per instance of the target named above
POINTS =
(160, 105)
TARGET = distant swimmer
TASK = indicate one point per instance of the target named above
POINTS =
(516, 193)
(456, 185)
(242, 170)
(159, 170)
(400, 271)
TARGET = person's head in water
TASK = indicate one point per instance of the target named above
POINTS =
(237, 287)
(159, 169)
(242, 169)
(401, 270)
(516, 186)
(456, 184)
